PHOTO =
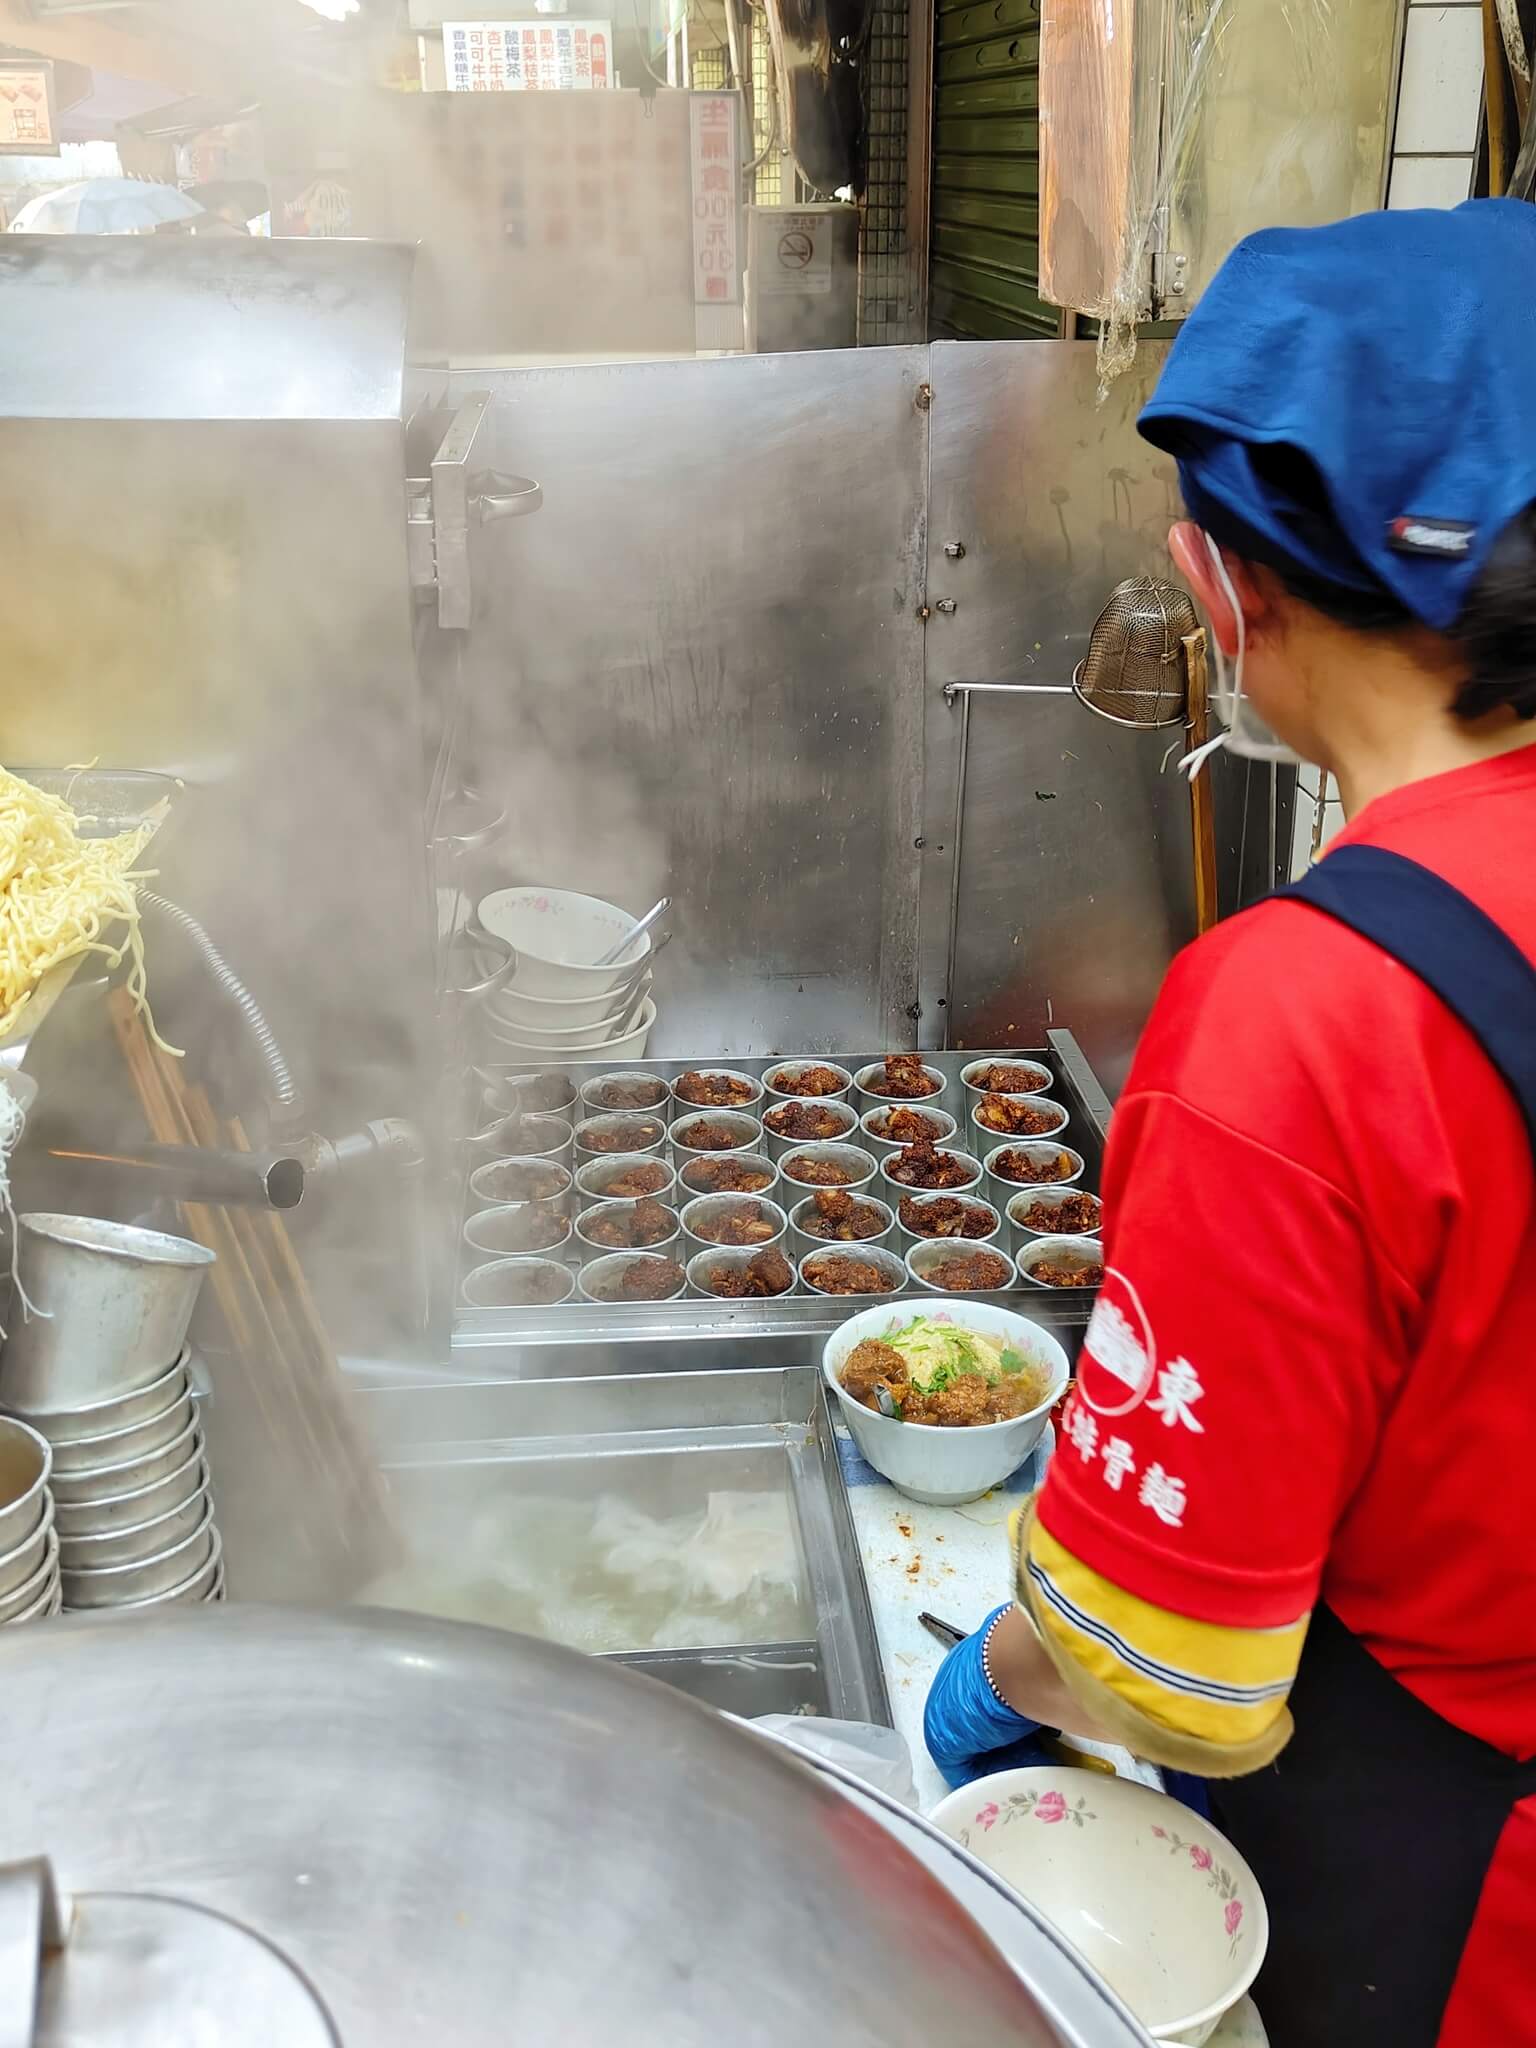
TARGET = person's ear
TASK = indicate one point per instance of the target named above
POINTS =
(1191, 552)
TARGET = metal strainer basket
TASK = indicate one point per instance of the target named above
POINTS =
(1134, 672)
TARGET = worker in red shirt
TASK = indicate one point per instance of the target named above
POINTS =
(1288, 1539)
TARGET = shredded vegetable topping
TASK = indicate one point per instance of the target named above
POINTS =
(61, 895)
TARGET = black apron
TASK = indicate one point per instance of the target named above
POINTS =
(1374, 1829)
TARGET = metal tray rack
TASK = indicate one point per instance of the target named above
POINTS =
(578, 1337)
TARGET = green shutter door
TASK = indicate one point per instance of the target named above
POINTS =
(984, 261)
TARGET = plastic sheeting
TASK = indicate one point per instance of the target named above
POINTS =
(1172, 128)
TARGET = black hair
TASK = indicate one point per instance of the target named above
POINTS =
(1495, 631)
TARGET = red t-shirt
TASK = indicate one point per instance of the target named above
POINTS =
(1316, 1344)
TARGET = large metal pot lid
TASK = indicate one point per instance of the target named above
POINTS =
(437, 1833)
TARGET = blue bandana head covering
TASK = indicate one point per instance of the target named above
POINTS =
(1358, 402)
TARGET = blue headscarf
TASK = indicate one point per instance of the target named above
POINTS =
(1358, 402)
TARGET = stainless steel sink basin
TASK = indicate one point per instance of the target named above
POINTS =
(693, 1525)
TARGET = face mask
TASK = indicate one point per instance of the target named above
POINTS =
(1246, 733)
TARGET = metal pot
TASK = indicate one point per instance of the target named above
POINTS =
(194, 1590)
(21, 1563)
(107, 1482)
(119, 1585)
(135, 1542)
(129, 1510)
(117, 1301)
(42, 1585)
(126, 1411)
(121, 1446)
(315, 1745)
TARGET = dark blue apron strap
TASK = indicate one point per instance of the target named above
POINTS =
(1443, 937)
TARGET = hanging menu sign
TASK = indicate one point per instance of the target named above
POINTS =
(27, 123)
(715, 167)
(528, 56)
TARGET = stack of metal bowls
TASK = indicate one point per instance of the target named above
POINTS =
(99, 1372)
(29, 1544)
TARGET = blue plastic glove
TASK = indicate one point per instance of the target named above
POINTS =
(968, 1730)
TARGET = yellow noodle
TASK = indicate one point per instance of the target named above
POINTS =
(60, 896)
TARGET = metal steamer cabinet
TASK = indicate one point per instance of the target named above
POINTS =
(720, 662)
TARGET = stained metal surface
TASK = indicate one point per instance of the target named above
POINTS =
(1074, 884)
(128, 327)
(459, 1835)
(699, 675)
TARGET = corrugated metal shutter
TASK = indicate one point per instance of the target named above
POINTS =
(984, 264)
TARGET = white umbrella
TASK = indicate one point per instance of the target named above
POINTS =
(104, 206)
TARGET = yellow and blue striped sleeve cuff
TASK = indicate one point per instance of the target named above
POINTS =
(1187, 1693)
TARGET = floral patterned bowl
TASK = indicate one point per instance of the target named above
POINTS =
(1153, 1897)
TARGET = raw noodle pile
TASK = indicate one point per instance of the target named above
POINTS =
(59, 894)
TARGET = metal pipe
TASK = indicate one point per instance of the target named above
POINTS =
(284, 1090)
(199, 1173)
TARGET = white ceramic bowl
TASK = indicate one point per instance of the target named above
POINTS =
(558, 937)
(1153, 1897)
(516, 1006)
(945, 1466)
(630, 1047)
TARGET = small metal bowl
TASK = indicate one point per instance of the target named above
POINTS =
(844, 1113)
(36, 1593)
(26, 1464)
(77, 1488)
(803, 1241)
(101, 1418)
(519, 1179)
(547, 1137)
(128, 1510)
(1042, 1150)
(1040, 1103)
(863, 1087)
(594, 1180)
(747, 1133)
(48, 1602)
(1076, 1252)
(746, 1107)
(934, 1252)
(779, 1080)
(731, 1258)
(857, 1161)
(907, 1239)
(641, 1131)
(691, 1172)
(874, 1255)
(517, 1230)
(137, 1541)
(92, 1454)
(968, 1160)
(497, 1283)
(592, 1094)
(526, 1091)
(22, 1563)
(598, 1280)
(120, 1585)
(1043, 1086)
(592, 1248)
(210, 1573)
(1048, 1197)
(941, 1127)
(700, 1216)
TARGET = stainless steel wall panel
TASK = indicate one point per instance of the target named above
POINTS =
(698, 672)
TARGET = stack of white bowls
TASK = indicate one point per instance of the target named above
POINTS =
(557, 1004)
(100, 1375)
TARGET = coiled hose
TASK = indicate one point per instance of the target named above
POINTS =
(284, 1090)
